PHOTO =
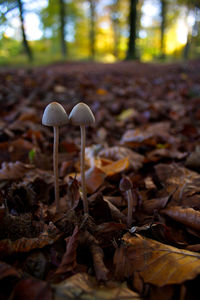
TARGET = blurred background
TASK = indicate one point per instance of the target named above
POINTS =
(44, 31)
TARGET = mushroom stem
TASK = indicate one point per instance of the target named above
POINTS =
(130, 207)
(83, 184)
(55, 166)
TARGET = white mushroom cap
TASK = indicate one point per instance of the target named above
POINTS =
(54, 115)
(81, 114)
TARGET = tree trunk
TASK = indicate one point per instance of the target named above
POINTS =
(25, 42)
(62, 28)
(163, 27)
(116, 28)
(92, 29)
(131, 53)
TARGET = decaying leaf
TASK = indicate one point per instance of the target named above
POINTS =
(94, 179)
(32, 289)
(148, 135)
(68, 262)
(8, 271)
(14, 170)
(157, 263)
(73, 193)
(116, 153)
(8, 247)
(116, 167)
(83, 286)
(187, 216)
(97, 255)
(182, 183)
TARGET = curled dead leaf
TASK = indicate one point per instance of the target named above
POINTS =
(68, 262)
(157, 263)
(83, 286)
(14, 170)
(8, 247)
(187, 216)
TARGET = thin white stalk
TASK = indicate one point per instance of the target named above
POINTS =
(130, 207)
(83, 184)
(55, 167)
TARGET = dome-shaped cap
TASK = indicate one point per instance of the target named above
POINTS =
(54, 115)
(81, 114)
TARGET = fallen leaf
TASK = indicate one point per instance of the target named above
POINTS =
(149, 206)
(68, 262)
(148, 135)
(97, 255)
(187, 216)
(116, 167)
(32, 289)
(181, 183)
(101, 92)
(17, 150)
(157, 264)
(8, 271)
(83, 286)
(94, 178)
(117, 153)
(14, 170)
(22, 245)
(73, 194)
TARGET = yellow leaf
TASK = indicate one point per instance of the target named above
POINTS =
(158, 264)
(101, 92)
(116, 167)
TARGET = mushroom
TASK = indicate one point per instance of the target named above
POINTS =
(125, 185)
(55, 115)
(82, 115)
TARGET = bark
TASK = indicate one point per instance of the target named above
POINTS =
(116, 28)
(92, 29)
(163, 27)
(62, 28)
(24, 38)
(131, 53)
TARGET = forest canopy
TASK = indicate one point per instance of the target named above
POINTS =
(100, 30)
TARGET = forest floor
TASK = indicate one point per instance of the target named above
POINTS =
(147, 133)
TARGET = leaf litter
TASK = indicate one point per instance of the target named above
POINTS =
(147, 128)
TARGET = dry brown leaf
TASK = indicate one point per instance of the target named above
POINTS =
(73, 193)
(158, 154)
(149, 206)
(157, 263)
(14, 170)
(68, 262)
(97, 255)
(94, 179)
(187, 216)
(8, 271)
(83, 286)
(8, 247)
(117, 153)
(116, 167)
(32, 289)
(148, 135)
(182, 183)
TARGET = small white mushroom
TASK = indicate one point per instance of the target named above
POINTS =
(82, 115)
(125, 185)
(55, 115)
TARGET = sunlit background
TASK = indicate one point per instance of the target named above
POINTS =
(41, 23)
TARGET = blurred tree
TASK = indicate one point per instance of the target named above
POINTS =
(62, 15)
(131, 52)
(163, 14)
(192, 5)
(92, 33)
(114, 9)
(8, 6)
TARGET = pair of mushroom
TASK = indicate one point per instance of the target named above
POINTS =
(55, 115)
